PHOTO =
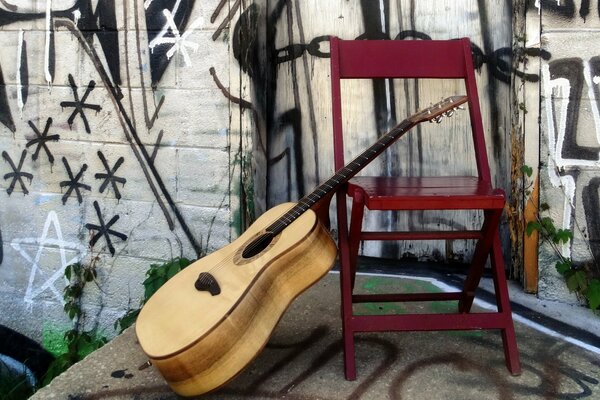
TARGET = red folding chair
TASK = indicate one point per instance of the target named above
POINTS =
(431, 59)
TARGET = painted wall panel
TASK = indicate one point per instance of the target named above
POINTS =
(570, 125)
(115, 148)
(300, 137)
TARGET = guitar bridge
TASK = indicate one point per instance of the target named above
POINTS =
(207, 283)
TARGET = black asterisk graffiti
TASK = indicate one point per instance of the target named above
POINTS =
(73, 183)
(104, 230)
(79, 105)
(17, 175)
(41, 140)
(110, 177)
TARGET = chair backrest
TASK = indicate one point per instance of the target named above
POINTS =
(389, 59)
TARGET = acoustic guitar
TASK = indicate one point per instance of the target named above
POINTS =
(203, 326)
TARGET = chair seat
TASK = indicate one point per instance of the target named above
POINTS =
(426, 193)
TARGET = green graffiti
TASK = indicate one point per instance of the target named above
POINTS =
(382, 285)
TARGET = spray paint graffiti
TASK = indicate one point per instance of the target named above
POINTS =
(565, 8)
(78, 105)
(376, 20)
(567, 82)
(289, 138)
(103, 230)
(40, 278)
(17, 175)
(165, 19)
(109, 176)
(41, 140)
(74, 184)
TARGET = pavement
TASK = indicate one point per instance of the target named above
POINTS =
(303, 359)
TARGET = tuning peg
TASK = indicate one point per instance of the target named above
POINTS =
(439, 119)
(449, 113)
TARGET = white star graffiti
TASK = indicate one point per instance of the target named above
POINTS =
(44, 242)
(180, 42)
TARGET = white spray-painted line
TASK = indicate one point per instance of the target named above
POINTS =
(76, 16)
(43, 242)
(47, 74)
(489, 306)
(179, 42)
(590, 80)
(556, 92)
(20, 103)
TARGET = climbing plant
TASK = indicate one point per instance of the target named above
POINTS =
(577, 278)
(79, 342)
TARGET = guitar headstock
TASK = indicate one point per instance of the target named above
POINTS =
(439, 110)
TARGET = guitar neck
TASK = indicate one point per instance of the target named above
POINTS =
(341, 176)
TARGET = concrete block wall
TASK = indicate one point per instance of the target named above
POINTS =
(569, 134)
(116, 149)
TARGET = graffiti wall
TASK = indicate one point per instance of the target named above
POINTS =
(116, 148)
(142, 130)
(297, 121)
(570, 134)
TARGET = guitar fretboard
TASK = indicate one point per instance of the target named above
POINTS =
(340, 177)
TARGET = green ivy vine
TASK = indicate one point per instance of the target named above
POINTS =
(79, 342)
(578, 280)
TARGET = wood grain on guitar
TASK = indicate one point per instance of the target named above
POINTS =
(211, 319)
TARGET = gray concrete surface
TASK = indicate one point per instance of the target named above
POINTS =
(303, 361)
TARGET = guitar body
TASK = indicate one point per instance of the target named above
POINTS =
(200, 340)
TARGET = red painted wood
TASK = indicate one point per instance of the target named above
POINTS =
(452, 59)
(405, 297)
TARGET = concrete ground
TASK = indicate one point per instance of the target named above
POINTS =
(303, 359)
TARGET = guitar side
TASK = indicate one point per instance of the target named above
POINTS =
(199, 341)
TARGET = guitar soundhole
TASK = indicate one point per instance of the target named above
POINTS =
(257, 245)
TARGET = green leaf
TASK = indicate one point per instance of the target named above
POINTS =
(563, 267)
(544, 207)
(126, 320)
(563, 235)
(157, 275)
(527, 170)
(77, 269)
(70, 335)
(172, 269)
(533, 226)
(548, 226)
(593, 294)
(68, 270)
(59, 365)
(582, 280)
(573, 283)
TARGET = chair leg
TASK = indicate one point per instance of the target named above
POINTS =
(346, 280)
(356, 219)
(480, 255)
(509, 339)
(347, 331)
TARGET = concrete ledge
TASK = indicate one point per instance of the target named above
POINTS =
(304, 361)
